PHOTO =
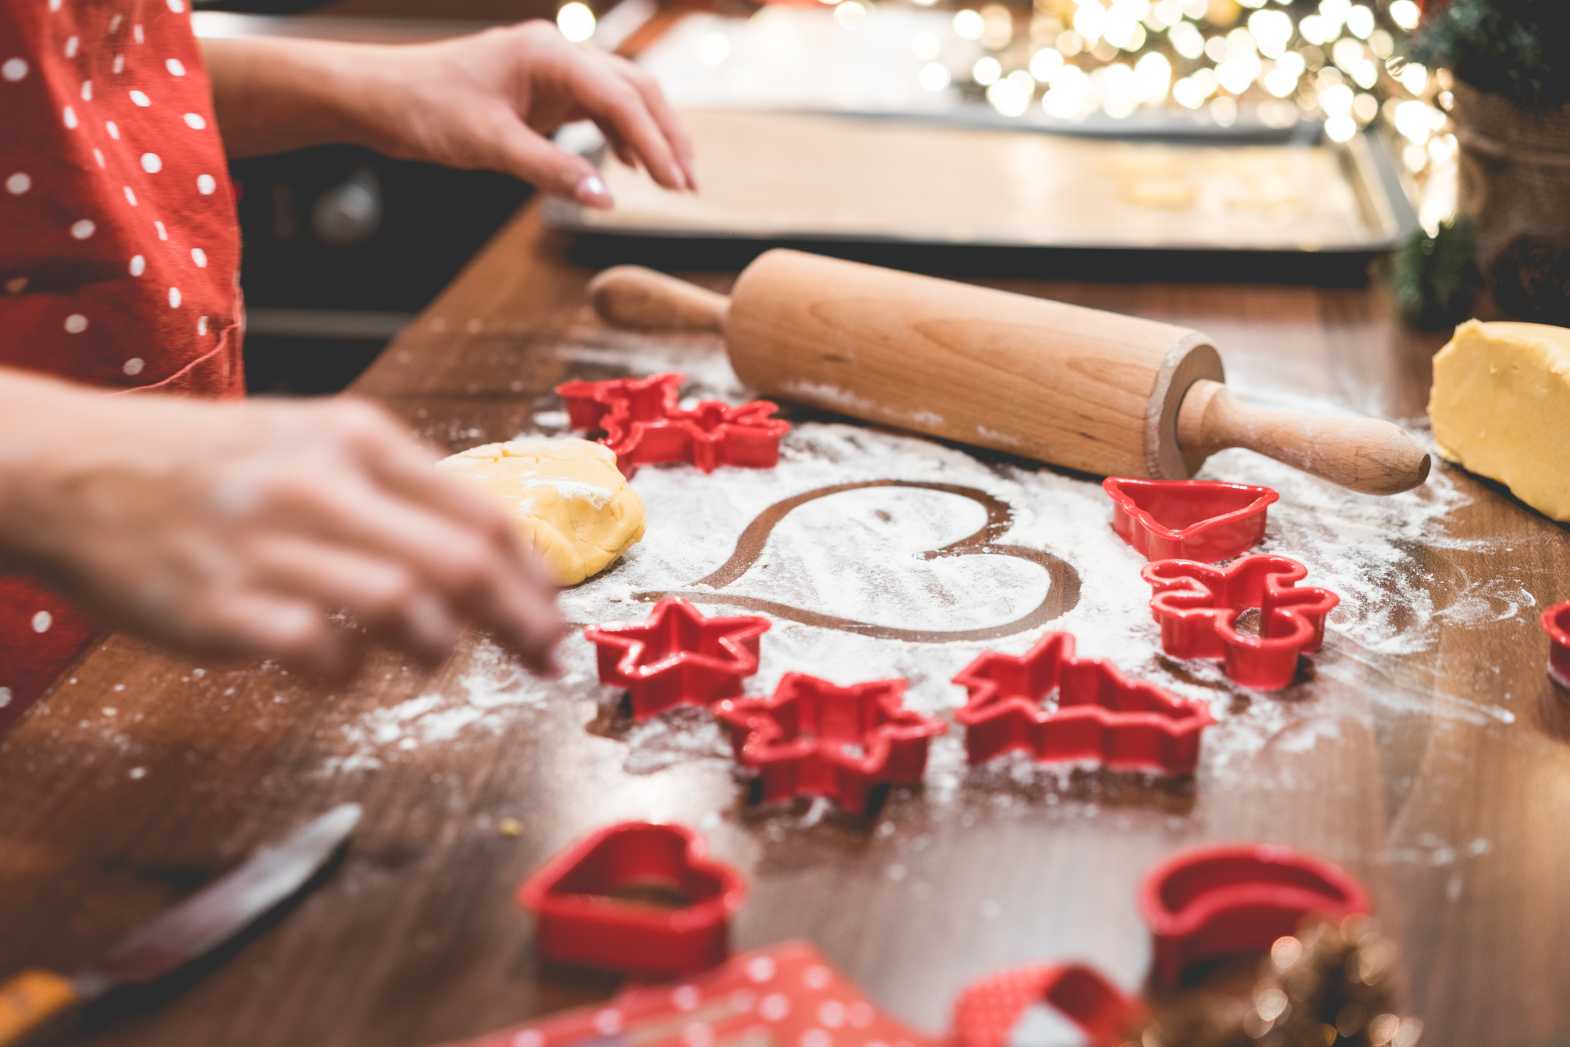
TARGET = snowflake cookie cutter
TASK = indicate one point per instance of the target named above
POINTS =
(1556, 623)
(586, 917)
(1188, 519)
(590, 404)
(1198, 606)
(1084, 1008)
(815, 738)
(677, 656)
(707, 436)
(1101, 717)
(1210, 903)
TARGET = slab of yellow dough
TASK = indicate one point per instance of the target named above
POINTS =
(1501, 407)
(570, 502)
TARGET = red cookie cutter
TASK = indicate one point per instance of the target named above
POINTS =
(633, 399)
(1214, 902)
(582, 922)
(1556, 623)
(989, 1013)
(1188, 519)
(1101, 715)
(813, 738)
(677, 656)
(1198, 606)
(708, 436)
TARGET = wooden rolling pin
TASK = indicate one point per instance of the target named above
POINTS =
(1080, 388)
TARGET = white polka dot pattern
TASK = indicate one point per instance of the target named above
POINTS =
(13, 69)
(138, 265)
(83, 229)
(42, 621)
(206, 184)
(139, 98)
(5, 697)
(174, 298)
(133, 366)
(18, 183)
(195, 121)
(152, 163)
(175, 67)
(76, 323)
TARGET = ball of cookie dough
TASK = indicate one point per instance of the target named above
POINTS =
(570, 502)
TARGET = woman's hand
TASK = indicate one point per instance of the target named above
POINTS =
(298, 531)
(488, 101)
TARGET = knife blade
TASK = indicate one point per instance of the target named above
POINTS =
(181, 934)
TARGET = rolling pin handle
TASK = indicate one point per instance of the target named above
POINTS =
(639, 299)
(1365, 454)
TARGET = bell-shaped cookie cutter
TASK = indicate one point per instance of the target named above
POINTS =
(1188, 519)
(677, 656)
(1210, 903)
(583, 920)
(815, 738)
(1101, 716)
(1198, 606)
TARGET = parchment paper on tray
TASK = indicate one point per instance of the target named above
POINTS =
(778, 175)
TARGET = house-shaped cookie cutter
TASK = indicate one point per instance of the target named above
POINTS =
(990, 1012)
(585, 920)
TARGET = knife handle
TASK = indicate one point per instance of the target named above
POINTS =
(29, 1000)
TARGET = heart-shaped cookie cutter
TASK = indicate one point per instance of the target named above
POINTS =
(707, 436)
(582, 922)
(1556, 623)
(815, 738)
(1188, 519)
(1198, 605)
(589, 404)
(1101, 717)
(677, 656)
(989, 1013)
(1214, 902)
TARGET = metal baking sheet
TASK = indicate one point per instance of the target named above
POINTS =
(773, 175)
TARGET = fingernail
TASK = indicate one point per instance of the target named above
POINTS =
(591, 192)
(692, 178)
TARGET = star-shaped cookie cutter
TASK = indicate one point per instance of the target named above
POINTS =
(585, 921)
(1198, 606)
(1212, 902)
(633, 399)
(677, 656)
(1556, 623)
(709, 435)
(1101, 716)
(814, 738)
(1188, 519)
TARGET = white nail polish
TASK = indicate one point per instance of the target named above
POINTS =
(592, 189)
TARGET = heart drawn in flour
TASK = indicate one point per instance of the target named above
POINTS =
(1061, 595)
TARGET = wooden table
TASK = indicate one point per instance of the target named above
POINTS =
(141, 776)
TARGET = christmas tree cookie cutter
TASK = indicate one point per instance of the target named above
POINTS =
(815, 738)
(677, 656)
(1210, 903)
(1101, 716)
(586, 919)
(1556, 623)
(1198, 607)
(1188, 519)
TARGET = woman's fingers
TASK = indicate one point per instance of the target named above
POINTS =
(536, 159)
(660, 109)
(385, 598)
(295, 632)
(621, 110)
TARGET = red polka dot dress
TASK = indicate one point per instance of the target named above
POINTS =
(119, 249)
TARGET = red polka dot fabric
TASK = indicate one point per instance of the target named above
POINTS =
(119, 248)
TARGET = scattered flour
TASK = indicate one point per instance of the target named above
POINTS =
(865, 554)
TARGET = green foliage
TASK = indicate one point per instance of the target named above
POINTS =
(1512, 48)
(1435, 278)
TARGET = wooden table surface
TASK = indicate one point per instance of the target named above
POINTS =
(141, 776)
